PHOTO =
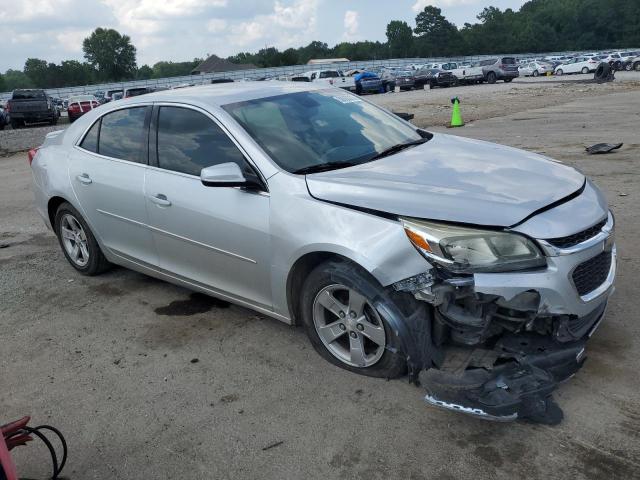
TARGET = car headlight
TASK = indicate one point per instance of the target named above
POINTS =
(469, 250)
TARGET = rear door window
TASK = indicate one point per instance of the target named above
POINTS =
(90, 141)
(123, 134)
(189, 141)
(509, 61)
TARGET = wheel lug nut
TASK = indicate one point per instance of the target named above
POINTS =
(342, 315)
(360, 327)
(353, 335)
(352, 314)
(342, 327)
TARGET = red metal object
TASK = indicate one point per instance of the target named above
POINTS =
(12, 436)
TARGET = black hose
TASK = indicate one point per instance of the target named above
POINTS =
(57, 468)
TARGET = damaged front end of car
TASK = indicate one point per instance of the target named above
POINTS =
(511, 315)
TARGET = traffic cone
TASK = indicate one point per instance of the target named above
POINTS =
(456, 116)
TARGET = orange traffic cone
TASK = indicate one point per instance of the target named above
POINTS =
(456, 116)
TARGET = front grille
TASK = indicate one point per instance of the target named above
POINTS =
(591, 274)
(576, 238)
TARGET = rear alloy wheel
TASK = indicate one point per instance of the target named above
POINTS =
(342, 322)
(78, 243)
(585, 70)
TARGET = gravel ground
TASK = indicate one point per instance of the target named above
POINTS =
(111, 360)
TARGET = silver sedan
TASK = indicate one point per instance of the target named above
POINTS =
(477, 269)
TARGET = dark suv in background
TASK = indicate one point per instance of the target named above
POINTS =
(31, 106)
(503, 68)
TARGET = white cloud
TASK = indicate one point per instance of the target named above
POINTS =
(284, 27)
(71, 40)
(351, 25)
(216, 25)
(420, 4)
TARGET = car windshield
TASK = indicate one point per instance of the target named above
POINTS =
(329, 74)
(306, 130)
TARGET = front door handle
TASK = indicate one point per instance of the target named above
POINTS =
(160, 199)
(84, 178)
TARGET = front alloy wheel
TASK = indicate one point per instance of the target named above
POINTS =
(341, 307)
(348, 326)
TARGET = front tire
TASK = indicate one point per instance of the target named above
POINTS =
(585, 70)
(535, 73)
(339, 306)
(559, 72)
(78, 242)
(491, 78)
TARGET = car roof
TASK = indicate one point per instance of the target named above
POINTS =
(223, 93)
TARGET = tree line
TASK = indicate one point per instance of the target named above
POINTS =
(539, 26)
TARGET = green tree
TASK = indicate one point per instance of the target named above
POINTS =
(3, 84)
(145, 72)
(437, 35)
(17, 79)
(38, 72)
(399, 38)
(111, 54)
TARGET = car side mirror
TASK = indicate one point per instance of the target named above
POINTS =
(226, 175)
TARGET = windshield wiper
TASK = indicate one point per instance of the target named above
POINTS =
(396, 148)
(323, 167)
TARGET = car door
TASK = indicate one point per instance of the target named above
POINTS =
(107, 173)
(215, 236)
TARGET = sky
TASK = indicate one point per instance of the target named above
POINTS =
(180, 30)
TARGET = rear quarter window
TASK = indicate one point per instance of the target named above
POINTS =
(509, 61)
(90, 141)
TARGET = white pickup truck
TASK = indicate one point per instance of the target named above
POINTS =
(331, 77)
(464, 72)
(334, 78)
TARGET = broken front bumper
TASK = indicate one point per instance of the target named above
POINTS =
(507, 339)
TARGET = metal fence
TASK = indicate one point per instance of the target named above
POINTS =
(258, 73)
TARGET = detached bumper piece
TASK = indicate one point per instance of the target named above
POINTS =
(513, 381)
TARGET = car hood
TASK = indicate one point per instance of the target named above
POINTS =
(452, 179)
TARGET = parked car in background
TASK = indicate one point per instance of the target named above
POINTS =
(81, 104)
(396, 249)
(367, 82)
(404, 79)
(503, 68)
(388, 79)
(434, 77)
(108, 96)
(333, 78)
(464, 73)
(4, 116)
(534, 69)
(578, 65)
(117, 96)
(631, 61)
(136, 91)
(31, 106)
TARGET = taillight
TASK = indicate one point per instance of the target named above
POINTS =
(8, 106)
(32, 153)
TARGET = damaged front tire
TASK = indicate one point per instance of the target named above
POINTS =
(355, 323)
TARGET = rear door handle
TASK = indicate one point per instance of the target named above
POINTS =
(84, 178)
(160, 199)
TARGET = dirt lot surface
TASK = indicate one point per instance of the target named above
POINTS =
(111, 360)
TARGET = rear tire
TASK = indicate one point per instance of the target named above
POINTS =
(491, 78)
(585, 70)
(636, 66)
(535, 73)
(507, 80)
(559, 72)
(16, 124)
(340, 345)
(74, 235)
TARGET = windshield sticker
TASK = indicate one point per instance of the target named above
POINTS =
(346, 98)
